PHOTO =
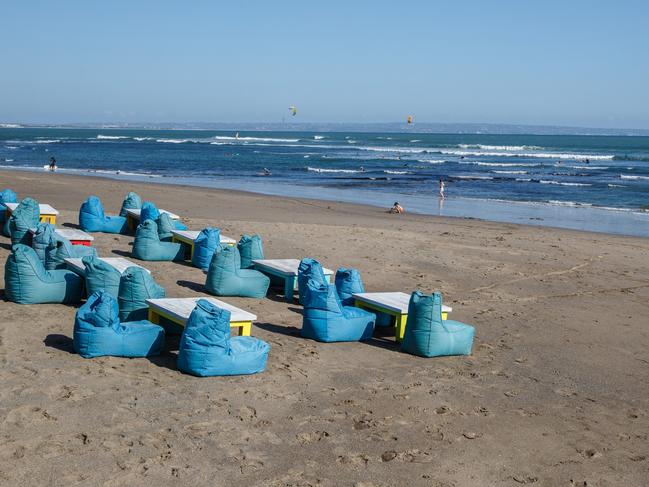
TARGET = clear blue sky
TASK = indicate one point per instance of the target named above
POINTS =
(512, 61)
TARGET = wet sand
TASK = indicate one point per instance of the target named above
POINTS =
(555, 393)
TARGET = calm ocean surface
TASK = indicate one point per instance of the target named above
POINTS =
(586, 182)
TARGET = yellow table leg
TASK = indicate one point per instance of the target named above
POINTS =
(48, 219)
(401, 327)
(153, 317)
(244, 327)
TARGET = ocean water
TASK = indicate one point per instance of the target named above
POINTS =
(541, 179)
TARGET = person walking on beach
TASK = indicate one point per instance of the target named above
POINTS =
(52, 164)
(441, 188)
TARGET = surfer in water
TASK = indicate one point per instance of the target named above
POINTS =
(266, 172)
(52, 164)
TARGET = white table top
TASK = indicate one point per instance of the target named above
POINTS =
(119, 263)
(181, 308)
(43, 208)
(193, 234)
(135, 213)
(287, 267)
(396, 301)
(70, 234)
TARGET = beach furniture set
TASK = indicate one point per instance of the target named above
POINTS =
(125, 306)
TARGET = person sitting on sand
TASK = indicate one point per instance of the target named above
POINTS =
(397, 208)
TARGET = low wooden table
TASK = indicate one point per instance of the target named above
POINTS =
(48, 213)
(119, 263)
(285, 269)
(187, 238)
(393, 304)
(178, 310)
(133, 217)
(75, 236)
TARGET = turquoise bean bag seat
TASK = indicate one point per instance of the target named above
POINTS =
(149, 211)
(250, 248)
(98, 331)
(147, 244)
(44, 242)
(348, 282)
(65, 250)
(25, 216)
(226, 278)
(93, 219)
(307, 270)
(207, 242)
(101, 276)
(131, 202)
(6, 196)
(206, 348)
(28, 282)
(427, 335)
(136, 285)
(325, 319)
(165, 226)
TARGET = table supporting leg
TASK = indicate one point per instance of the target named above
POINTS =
(289, 288)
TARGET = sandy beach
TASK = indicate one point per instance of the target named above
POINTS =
(556, 392)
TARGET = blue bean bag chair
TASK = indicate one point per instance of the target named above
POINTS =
(28, 282)
(6, 196)
(44, 242)
(165, 226)
(98, 331)
(147, 244)
(427, 335)
(226, 278)
(25, 216)
(93, 219)
(307, 270)
(325, 319)
(136, 285)
(65, 250)
(250, 248)
(348, 282)
(149, 211)
(101, 276)
(207, 242)
(131, 202)
(206, 348)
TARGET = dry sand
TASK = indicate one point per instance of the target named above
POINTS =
(555, 393)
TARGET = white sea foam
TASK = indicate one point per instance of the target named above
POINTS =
(629, 176)
(318, 137)
(173, 141)
(473, 177)
(560, 183)
(432, 161)
(583, 167)
(253, 139)
(388, 171)
(510, 172)
(321, 170)
(9, 160)
(524, 180)
(499, 147)
(541, 155)
(501, 164)
(47, 141)
(616, 185)
(140, 139)
(112, 137)
(10, 147)
(569, 203)
(415, 140)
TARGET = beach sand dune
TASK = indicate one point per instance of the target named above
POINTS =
(555, 393)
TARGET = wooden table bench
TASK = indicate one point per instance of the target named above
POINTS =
(74, 235)
(48, 213)
(178, 310)
(187, 238)
(394, 304)
(286, 270)
(119, 263)
(133, 217)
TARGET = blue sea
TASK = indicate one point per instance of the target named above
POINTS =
(596, 183)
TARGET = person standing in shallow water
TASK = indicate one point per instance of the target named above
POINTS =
(441, 188)
(52, 164)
